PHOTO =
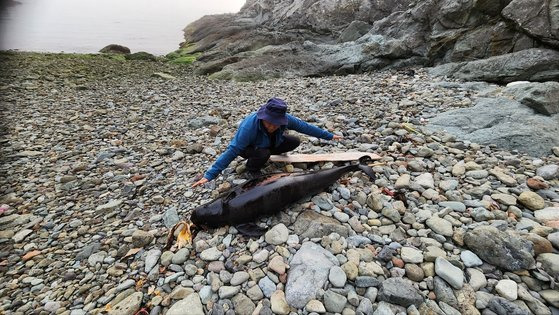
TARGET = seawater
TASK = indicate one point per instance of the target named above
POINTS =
(86, 26)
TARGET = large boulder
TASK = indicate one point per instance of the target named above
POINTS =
(502, 249)
(309, 269)
(527, 65)
(539, 18)
(115, 49)
(542, 97)
(503, 122)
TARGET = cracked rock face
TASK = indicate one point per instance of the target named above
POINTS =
(311, 38)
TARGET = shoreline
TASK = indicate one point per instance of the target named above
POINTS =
(16, 51)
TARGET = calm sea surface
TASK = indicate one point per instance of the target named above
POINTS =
(86, 26)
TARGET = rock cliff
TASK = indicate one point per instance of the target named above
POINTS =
(285, 38)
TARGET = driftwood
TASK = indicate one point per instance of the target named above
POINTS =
(326, 157)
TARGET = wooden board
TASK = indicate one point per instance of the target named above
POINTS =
(326, 157)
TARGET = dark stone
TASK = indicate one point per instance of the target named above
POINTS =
(399, 291)
(366, 282)
(386, 253)
(502, 249)
(87, 251)
(141, 55)
(502, 306)
(444, 292)
(491, 7)
(115, 49)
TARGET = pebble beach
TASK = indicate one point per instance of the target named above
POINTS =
(97, 156)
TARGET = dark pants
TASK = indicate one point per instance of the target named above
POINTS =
(257, 157)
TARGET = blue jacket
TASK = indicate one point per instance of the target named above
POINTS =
(252, 133)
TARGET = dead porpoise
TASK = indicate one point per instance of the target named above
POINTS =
(268, 195)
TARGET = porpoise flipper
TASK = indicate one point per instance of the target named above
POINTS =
(250, 229)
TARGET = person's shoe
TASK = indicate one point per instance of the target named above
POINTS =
(253, 174)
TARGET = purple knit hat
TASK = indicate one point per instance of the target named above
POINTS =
(274, 111)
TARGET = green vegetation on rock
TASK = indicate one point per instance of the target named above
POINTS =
(183, 55)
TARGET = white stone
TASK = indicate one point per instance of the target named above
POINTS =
(477, 279)
(239, 278)
(315, 306)
(507, 289)
(279, 304)
(21, 235)
(210, 254)
(411, 255)
(261, 256)
(547, 214)
(277, 235)
(403, 181)
(470, 259)
(425, 180)
(337, 276)
(111, 205)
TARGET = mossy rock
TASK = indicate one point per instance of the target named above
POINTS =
(183, 55)
(115, 49)
(185, 60)
(141, 55)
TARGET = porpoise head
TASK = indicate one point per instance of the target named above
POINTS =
(209, 214)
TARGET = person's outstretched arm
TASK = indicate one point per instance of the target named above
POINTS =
(301, 126)
(241, 140)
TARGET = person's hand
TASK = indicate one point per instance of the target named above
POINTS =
(337, 138)
(200, 182)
